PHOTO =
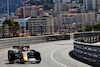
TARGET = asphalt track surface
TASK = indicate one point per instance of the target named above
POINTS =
(54, 54)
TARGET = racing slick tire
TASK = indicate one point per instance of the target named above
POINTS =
(37, 57)
(11, 56)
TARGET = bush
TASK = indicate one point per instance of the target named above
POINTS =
(97, 27)
(89, 28)
(80, 30)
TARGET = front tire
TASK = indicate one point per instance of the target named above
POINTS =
(38, 57)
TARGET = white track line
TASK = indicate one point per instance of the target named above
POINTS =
(55, 60)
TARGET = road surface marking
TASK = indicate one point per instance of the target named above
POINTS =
(55, 60)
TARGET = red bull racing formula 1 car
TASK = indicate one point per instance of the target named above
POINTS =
(22, 54)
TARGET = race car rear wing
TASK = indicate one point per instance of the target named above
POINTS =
(18, 47)
(27, 47)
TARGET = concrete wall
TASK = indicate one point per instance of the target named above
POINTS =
(8, 42)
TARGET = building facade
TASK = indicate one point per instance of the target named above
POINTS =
(58, 1)
(60, 8)
(73, 20)
(98, 5)
(29, 10)
(22, 23)
(78, 18)
(41, 25)
(98, 17)
(89, 4)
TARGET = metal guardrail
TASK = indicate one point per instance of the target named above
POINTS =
(8, 42)
(85, 50)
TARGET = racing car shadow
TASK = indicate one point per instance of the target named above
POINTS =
(5, 60)
(21, 63)
(11, 63)
(34, 63)
(83, 60)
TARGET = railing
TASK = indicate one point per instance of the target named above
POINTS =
(84, 49)
(8, 42)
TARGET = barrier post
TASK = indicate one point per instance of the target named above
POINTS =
(99, 37)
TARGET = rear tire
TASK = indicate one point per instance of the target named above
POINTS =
(11, 56)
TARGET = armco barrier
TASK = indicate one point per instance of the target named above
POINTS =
(7, 42)
(85, 50)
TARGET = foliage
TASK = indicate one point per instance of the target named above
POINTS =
(10, 24)
(97, 27)
(80, 30)
(32, 2)
(13, 25)
(98, 13)
(88, 28)
(47, 4)
(17, 26)
(1, 30)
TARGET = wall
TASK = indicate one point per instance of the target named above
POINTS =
(8, 42)
(84, 49)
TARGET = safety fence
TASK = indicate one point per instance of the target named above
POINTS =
(8, 42)
(84, 49)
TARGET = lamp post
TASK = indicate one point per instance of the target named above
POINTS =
(24, 13)
(22, 31)
(3, 30)
(73, 27)
(8, 8)
(31, 30)
(94, 17)
(51, 29)
(60, 23)
(64, 26)
(41, 28)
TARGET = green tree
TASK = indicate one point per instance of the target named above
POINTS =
(80, 30)
(47, 4)
(97, 27)
(13, 25)
(1, 30)
(9, 23)
(17, 26)
(88, 28)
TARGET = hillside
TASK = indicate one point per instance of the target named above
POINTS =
(47, 4)
(13, 5)
(18, 3)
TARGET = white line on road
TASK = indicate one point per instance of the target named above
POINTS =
(55, 60)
